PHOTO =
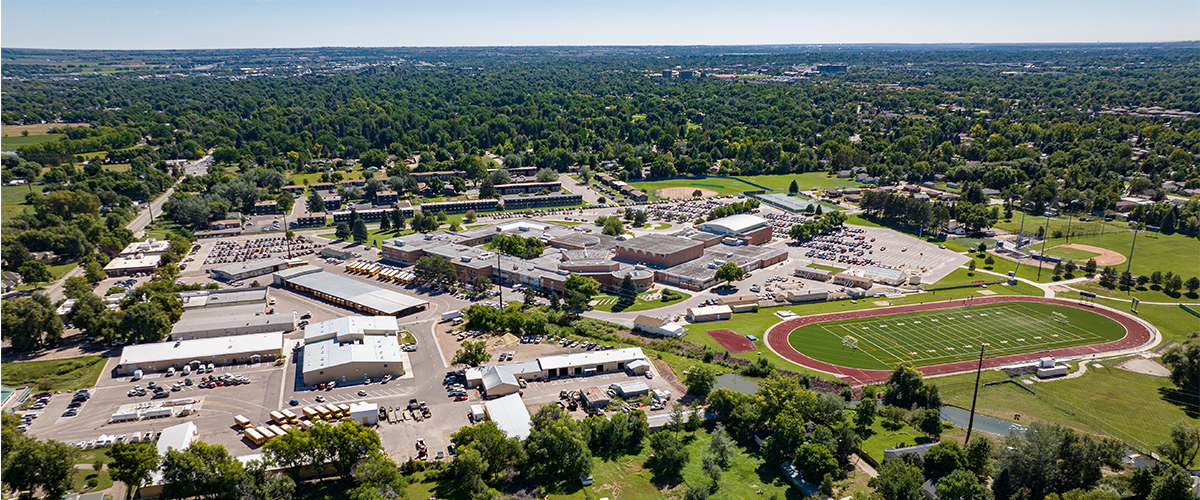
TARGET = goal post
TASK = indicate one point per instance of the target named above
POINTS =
(850, 342)
(1059, 317)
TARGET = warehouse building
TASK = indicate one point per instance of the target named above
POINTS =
(352, 349)
(740, 303)
(227, 297)
(348, 292)
(219, 351)
(658, 326)
(202, 323)
(659, 250)
(148, 247)
(813, 273)
(250, 269)
(563, 365)
(709, 313)
(499, 382)
(510, 415)
(807, 295)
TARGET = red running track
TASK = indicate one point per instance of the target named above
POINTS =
(1136, 334)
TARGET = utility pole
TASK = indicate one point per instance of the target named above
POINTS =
(500, 279)
(974, 397)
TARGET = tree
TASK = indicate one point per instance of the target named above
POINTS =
(316, 204)
(202, 470)
(700, 379)
(898, 480)
(579, 290)
(627, 290)
(961, 485)
(1172, 484)
(294, 451)
(711, 468)
(697, 193)
(929, 422)
(1090, 267)
(481, 284)
(971, 265)
(435, 268)
(613, 226)
(815, 461)
(472, 354)
(942, 459)
(730, 272)
(342, 232)
(991, 261)
(865, 412)
(555, 301)
(30, 322)
(263, 484)
(32, 464)
(530, 297)
(546, 175)
(385, 223)
(720, 446)
(670, 456)
(360, 231)
(793, 188)
(696, 492)
(1184, 362)
(346, 444)
(132, 464)
(640, 218)
(1183, 445)
(94, 272)
(1171, 285)
(34, 272)
(559, 450)
(487, 189)
(1192, 284)
(76, 287)
(1051, 458)
(979, 457)
(469, 216)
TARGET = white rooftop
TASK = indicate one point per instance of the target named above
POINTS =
(733, 224)
(510, 415)
(591, 358)
(706, 310)
(352, 325)
(261, 343)
(494, 377)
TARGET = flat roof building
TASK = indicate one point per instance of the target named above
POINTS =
(148, 247)
(734, 224)
(352, 349)
(219, 351)
(518, 202)
(351, 293)
(228, 321)
(228, 297)
(659, 250)
(562, 365)
(134, 264)
(658, 326)
(510, 415)
(249, 269)
(709, 313)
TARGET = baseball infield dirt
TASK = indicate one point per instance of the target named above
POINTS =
(678, 193)
(1106, 258)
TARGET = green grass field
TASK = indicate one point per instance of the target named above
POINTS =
(12, 143)
(55, 375)
(1135, 408)
(611, 303)
(948, 335)
(1074, 254)
(1150, 293)
(777, 183)
(12, 199)
(1174, 323)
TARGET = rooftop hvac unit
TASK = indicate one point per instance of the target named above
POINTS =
(465, 258)
(398, 243)
(639, 267)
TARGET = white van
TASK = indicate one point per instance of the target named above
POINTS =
(187, 370)
(170, 371)
(137, 375)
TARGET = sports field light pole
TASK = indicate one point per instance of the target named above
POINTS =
(974, 397)
(1136, 230)
(1019, 233)
(1045, 236)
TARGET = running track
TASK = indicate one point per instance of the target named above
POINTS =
(1136, 335)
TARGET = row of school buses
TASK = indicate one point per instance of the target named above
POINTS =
(383, 271)
(284, 421)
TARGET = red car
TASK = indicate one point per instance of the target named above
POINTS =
(460, 397)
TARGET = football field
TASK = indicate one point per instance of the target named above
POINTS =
(954, 334)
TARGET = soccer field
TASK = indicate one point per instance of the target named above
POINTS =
(949, 335)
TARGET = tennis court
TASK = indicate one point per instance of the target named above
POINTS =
(954, 334)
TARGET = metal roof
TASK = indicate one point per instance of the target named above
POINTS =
(733, 224)
(254, 265)
(658, 244)
(510, 415)
(231, 317)
(494, 377)
(364, 294)
(591, 358)
(373, 349)
(255, 343)
(351, 325)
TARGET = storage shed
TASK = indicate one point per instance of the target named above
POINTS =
(364, 413)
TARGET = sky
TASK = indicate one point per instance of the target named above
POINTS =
(211, 24)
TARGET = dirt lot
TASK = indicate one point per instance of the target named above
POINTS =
(1107, 257)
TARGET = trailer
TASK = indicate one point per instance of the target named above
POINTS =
(124, 417)
(158, 412)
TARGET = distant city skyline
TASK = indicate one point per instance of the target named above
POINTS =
(217, 24)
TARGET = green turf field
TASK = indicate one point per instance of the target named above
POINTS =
(948, 335)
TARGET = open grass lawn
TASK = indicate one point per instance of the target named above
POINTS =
(949, 335)
(1148, 293)
(56, 272)
(1154, 251)
(1063, 223)
(55, 375)
(867, 221)
(1173, 322)
(80, 480)
(1074, 254)
(36, 128)
(806, 181)
(723, 187)
(12, 199)
(315, 177)
(10, 143)
(663, 225)
(825, 267)
(1137, 409)
(612, 303)
(964, 276)
(626, 477)
(882, 434)
(375, 237)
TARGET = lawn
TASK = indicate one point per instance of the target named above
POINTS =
(374, 236)
(56, 272)
(879, 437)
(1074, 254)
(776, 183)
(814, 265)
(80, 479)
(1003, 266)
(626, 477)
(949, 335)
(12, 199)
(1154, 251)
(611, 303)
(1137, 409)
(1173, 322)
(12, 143)
(1149, 293)
(55, 375)
(663, 225)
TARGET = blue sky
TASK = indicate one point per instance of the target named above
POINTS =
(190, 24)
